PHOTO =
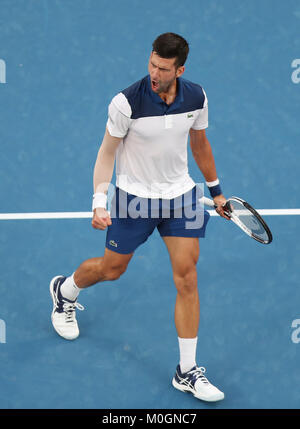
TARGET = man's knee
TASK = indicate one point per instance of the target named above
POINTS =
(113, 265)
(185, 279)
(115, 272)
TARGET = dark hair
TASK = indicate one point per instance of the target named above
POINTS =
(171, 45)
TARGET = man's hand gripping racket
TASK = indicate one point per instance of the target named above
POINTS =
(244, 216)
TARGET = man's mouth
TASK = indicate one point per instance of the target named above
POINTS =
(155, 85)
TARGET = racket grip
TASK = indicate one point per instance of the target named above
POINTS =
(207, 202)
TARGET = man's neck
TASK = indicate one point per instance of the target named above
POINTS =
(169, 97)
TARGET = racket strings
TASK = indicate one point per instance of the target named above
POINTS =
(248, 219)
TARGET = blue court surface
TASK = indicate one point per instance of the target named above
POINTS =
(61, 63)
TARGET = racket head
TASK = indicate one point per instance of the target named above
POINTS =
(248, 219)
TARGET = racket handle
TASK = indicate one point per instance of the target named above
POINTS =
(207, 202)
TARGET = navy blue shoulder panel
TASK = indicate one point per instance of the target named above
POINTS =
(144, 102)
(140, 100)
(193, 96)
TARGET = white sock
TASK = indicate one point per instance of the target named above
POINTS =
(69, 289)
(187, 351)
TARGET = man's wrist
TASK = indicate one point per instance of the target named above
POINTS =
(99, 200)
(214, 188)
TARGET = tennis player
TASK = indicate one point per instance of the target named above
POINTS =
(147, 134)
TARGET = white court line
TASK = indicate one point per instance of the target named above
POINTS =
(269, 212)
(51, 215)
(86, 215)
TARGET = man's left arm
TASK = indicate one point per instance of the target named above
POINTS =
(202, 153)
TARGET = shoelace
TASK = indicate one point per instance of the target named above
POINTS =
(199, 373)
(69, 309)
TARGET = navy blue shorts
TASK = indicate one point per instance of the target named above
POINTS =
(134, 219)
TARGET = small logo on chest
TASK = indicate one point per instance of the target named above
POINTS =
(190, 115)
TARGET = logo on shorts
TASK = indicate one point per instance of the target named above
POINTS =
(113, 243)
(190, 115)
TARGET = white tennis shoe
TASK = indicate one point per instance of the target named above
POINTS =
(64, 311)
(195, 382)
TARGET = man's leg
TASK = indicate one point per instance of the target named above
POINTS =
(95, 270)
(64, 291)
(184, 254)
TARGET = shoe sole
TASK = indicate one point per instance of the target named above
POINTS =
(186, 389)
(54, 306)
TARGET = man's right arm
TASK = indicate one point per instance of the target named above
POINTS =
(103, 172)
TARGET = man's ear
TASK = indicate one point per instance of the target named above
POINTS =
(180, 71)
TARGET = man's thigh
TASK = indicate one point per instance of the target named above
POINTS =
(183, 252)
(113, 260)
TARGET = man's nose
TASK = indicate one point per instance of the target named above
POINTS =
(154, 74)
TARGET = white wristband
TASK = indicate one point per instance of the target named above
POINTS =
(99, 200)
(214, 183)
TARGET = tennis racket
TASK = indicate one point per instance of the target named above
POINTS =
(245, 217)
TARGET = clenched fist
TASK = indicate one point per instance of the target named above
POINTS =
(101, 218)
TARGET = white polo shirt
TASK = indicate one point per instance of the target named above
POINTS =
(151, 161)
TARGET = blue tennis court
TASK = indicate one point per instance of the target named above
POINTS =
(61, 63)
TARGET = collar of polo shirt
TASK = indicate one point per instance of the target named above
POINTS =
(156, 98)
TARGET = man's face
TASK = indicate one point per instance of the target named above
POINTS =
(162, 72)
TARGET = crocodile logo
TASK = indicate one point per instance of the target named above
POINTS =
(113, 243)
